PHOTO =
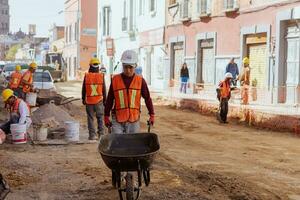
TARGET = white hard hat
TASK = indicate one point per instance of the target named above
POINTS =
(129, 57)
(228, 75)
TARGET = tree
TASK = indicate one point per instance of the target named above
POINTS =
(12, 52)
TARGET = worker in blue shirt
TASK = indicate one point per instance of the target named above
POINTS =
(234, 70)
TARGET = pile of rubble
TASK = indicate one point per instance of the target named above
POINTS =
(51, 115)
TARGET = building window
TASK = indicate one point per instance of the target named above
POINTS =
(185, 9)
(230, 4)
(141, 7)
(203, 6)
(131, 17)
(6, 12)
(70, 33)
(124, 19)
(152, 5)
(106, 21)
(66, 30)
(75, 64)
(6, 25)
(171, 2)
(76, 31)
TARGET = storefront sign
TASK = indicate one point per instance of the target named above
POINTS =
(110, 47)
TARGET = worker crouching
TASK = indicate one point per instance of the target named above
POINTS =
(19, 111)
(93, 97)
(124, 98)
(224, 94)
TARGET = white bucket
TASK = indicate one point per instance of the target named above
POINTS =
(72, 131)
(31, 98)
(18, 132)
(41, 134)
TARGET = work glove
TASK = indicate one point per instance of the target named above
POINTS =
(151, 119)
(107, 122)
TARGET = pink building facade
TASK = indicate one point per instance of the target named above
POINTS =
(80, 36)
(206, 34)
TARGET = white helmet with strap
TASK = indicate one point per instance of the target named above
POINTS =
(228, 75)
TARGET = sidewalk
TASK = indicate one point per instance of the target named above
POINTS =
(277, 117)
(69, 89)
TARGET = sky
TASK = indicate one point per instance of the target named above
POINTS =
(43, 13)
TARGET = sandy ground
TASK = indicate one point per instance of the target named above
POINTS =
(199, 159)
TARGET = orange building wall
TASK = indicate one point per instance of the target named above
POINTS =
(88, 44)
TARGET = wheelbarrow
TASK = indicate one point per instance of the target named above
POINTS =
(126, 154)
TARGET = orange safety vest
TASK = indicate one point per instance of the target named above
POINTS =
(225, 89)
(15, 80)
(93, 85)
(15, 108)
(127, 101)
(26, 88)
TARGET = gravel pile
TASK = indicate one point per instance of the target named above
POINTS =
(51, 111)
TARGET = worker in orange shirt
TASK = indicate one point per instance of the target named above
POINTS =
(15, 80)
(27, 80)
(224, 96)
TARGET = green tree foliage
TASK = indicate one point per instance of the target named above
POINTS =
(12, 52)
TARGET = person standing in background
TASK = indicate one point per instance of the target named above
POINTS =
(184, 77)
(234, 70)
(245, 81)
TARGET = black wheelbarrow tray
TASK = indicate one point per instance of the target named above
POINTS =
(128, 152)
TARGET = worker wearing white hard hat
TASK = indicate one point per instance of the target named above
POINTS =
(125, 93)
(224, 94)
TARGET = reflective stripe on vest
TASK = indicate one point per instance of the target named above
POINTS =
(93, 85)
(225, 90)
(26, 88)
(15, 80)
(127, 101)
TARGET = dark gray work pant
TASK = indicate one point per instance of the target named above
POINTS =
(224, 109)
(14, 119)
(91, 110)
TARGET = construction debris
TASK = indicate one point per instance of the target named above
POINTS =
(51, 115)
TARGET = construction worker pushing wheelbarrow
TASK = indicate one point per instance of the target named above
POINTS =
(129, 151)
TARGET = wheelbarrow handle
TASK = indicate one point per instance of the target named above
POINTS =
(149, 126)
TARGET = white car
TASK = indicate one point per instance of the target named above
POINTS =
(43, 80)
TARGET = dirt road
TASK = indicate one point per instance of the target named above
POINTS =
(199, 159)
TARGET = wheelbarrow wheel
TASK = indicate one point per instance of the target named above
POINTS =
(129, 187)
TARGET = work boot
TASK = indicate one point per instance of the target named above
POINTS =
(99, 133)
(92, 137)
